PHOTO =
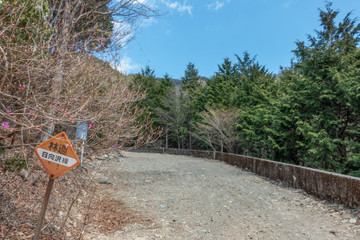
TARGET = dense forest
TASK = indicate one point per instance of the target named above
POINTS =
(308, 114)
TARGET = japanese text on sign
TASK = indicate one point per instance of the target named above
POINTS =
(60, 148)
(56, 158)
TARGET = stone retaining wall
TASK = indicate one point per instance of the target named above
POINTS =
(333, 187)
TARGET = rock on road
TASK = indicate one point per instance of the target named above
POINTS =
(191, 198)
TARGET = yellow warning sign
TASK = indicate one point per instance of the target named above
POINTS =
(57, 155)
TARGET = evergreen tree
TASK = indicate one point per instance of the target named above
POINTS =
(173, 116)
(253, 97)
(308, 115)
(254, 81)
(325, 96)
(193, 99)
(155, 89)
(221, 87)
(190, 81)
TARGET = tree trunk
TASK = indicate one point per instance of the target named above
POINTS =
(61, 41)
(190, 138)
(167, 138)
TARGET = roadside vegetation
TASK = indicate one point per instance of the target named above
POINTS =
(308, 114)
(57, 69)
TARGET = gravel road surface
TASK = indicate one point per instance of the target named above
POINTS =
(191, 198)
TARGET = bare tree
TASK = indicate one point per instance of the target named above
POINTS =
(88, 26)
(217, 129)
(51, 76)
(54, 72)
(173, 116)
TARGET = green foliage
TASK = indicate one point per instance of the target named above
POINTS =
(308, 115)
(220, 88)
(352, 166)
(191, 79)
(100, 24)
(173, 117)
(154, 88)
(30, 20)
(156, 91)
(317, 110)
(254, 82)
(193, 99)
(15, 163)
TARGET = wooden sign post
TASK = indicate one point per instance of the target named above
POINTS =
(57, 156)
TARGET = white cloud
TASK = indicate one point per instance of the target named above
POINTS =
(217, 5)
(180, 7)
(148, 22)
(286, 4)
(141, 1)
(127, 65)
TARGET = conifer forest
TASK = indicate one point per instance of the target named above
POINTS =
(308, 114)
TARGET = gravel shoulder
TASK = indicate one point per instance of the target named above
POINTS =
(191, 198)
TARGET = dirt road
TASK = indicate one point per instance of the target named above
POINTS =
(190, 198)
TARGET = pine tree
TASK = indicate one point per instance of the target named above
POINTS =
(325, 96)
(193, 98)
(221, 87)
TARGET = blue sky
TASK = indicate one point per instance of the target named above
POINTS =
(206, 31)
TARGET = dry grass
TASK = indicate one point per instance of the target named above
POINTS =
(107, 215)
(21, 200)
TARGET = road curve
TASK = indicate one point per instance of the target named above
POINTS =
(191, 198)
